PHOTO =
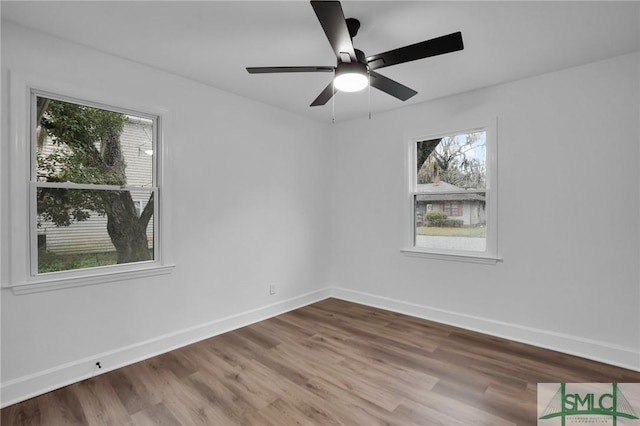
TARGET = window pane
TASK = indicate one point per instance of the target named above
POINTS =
(453, 225)
(79, 228)
(82, 144)
(452, 163)
(450, 199)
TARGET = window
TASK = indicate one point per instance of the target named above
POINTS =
(453, 208)
(87, 195)
(92, 184)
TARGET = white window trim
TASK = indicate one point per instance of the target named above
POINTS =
(21, 278)
(491, 254)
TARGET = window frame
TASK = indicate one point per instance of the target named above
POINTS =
(22, 259)
(491, 253)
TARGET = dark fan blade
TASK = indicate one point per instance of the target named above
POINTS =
(437, 46)
(264, 70)
(331, 18)
(391, 87)
(324, 97)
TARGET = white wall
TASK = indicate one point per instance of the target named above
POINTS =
(249, 207)
(568, 214)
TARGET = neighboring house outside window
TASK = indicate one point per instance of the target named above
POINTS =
(469, 207)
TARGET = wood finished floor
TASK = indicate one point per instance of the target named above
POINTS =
(330, 363)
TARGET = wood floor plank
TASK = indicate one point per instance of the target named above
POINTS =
(351, 406)
(27, 413)
(329, 363)
(69, 407)
(366, 388)
(155, 415)
(283, 412)
(405, 383)
(131, 389)
(100, 402)
(411, 412)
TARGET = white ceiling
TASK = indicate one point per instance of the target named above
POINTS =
(213, 41)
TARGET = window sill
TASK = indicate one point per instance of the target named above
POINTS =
(451, 256)
(58, 283)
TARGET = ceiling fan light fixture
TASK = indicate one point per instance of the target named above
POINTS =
(351, 77)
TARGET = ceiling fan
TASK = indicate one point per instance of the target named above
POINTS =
(355, 71)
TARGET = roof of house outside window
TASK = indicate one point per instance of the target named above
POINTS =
(443, 191)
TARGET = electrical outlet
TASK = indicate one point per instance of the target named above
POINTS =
(272, 289)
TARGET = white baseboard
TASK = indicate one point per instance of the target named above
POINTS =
(26, 387)
(608, 353)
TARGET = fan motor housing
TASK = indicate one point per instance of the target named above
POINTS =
(351, 68)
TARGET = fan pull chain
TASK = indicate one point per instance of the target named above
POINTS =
(333, 107)
(369, 94)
